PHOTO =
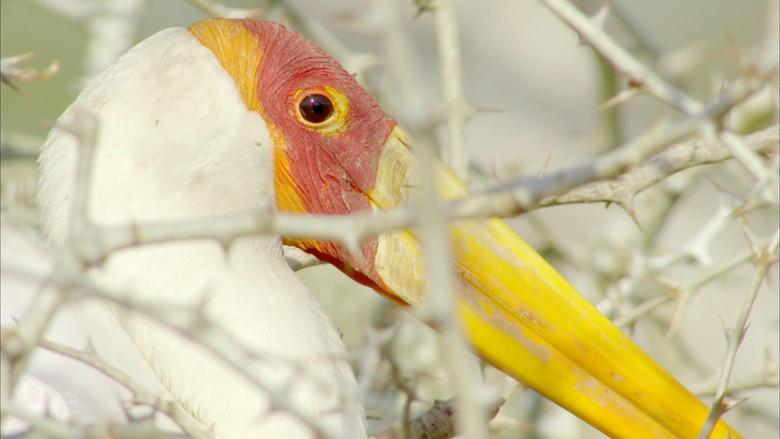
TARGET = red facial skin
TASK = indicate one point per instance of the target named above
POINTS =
(332, 172)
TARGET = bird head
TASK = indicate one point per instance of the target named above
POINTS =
(335, 150)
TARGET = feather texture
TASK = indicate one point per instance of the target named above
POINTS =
(176, 141)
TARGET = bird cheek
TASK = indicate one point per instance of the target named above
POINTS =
(288, 198)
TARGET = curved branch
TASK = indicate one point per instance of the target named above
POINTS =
(677, 158)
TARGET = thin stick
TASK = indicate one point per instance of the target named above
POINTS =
(141, 395)
(454, 153)
(766, 258)
(623, 61)
(440, 310)
(46, 303)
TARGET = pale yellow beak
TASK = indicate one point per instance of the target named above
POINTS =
(527, 320)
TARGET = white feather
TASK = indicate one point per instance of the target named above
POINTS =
(177, 142)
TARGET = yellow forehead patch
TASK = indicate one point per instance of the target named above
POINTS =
(239, 53)
(237, 50)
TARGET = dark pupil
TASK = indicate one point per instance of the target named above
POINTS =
(316, 108)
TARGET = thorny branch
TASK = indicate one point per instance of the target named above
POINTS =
(766, 257)
(681, 293)
(170, 408)
(101, 242)
(626, 64)
(46, 428)
(188, 322)
(68, 282)
(768, 378)
(641, 76)
(615, 177)
(686, 155)
(351, 228)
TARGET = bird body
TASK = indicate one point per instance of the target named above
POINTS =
(150, 105)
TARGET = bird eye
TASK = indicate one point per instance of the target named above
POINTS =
(316, 108)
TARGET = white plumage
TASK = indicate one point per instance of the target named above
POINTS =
(176, 141)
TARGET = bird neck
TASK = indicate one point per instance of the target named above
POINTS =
(174, 141)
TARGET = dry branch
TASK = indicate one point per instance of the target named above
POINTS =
(678, 158)
(613, 177)
(766, 257)
(440, 308)
(43, 427)
(499, 202)
(524, 194)
(621, 59)
(454, 152)
(141, 395)
(190, 323)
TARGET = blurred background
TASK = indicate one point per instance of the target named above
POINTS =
(539, 92)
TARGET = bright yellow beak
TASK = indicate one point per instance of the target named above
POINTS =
(519, 313)
(527, 320)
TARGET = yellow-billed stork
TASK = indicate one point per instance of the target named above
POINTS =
(227, 115)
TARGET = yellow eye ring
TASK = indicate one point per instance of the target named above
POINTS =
(323, 109)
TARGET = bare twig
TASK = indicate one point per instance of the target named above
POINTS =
(457, 109)
(762, 381)
(623, 61)
(44, 427)
(111, 24)
(744, 155)
(504, 200)
(12, 70)
(616, 177)
(681, 293)
(641, 76)
(440, 309)
(112, 27)
(141, 395)
(49, 299)
(735, 335)
(677, 158)
(191, 324)
(526, 193)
